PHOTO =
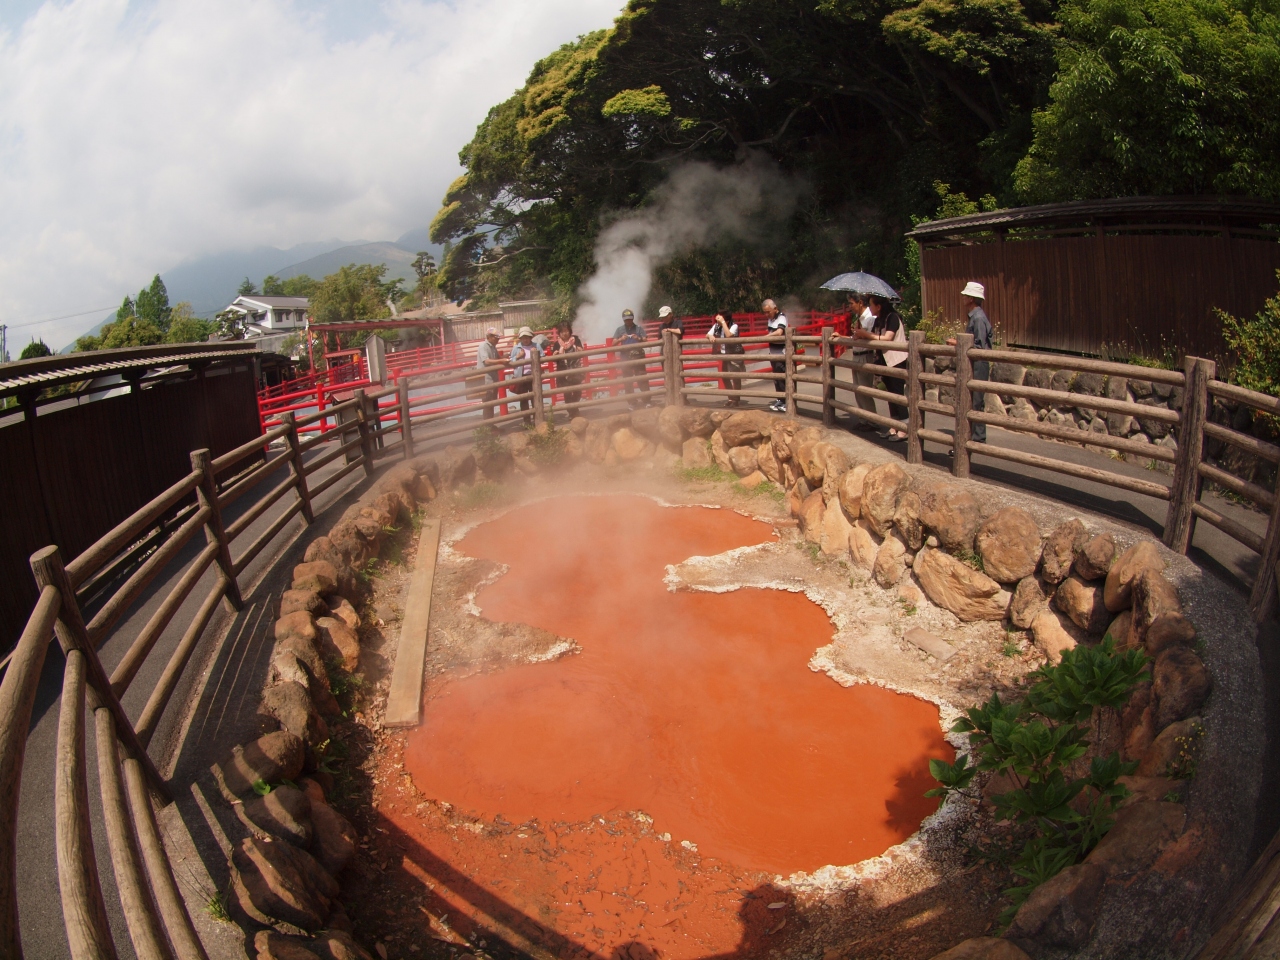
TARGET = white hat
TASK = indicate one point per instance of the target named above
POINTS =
(975, 290)
(664, 312)
(525, 332)
(492, 332)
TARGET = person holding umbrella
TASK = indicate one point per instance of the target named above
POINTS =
(973, 295)
(874, 318)
(889, 326)
(861, 322)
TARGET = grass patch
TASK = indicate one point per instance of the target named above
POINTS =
(972, 559)
(711, 474)
(481, 494)
(549, 447)
(345, 686)
(1010, 649)
(216, 907)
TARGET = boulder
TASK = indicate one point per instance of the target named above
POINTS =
(1119, 630)
(1151, 596)
(696, 454)
(951, 514)
(1028, 602)
(298, 660)
(340, 945)
(880, 490)
(631, 446)
(781, 439)
(752, 480)
(720, 452)
(849, 490)
(291, 706)
(495, 461)
(276, 882)
(891, 562)
(297, 624)
(718, 417)
(1039, 378)
(1022, 409)
(1142, 556)
(457, 467)
(333, 838)
(1138, 723)
(835, 531)
(811, 513)
(795, 498)
(319, 575)
(1013, 373)
(743, 461)
(1089, 384)
(1051, 636)
(344, 611)
(1082, 602)
(769, 464)
(284, 813)
(1149, 788)
(269, 759)
(1167, 630)
(579, 426)
(835, 465)
(1061, 911)
(746, 427)
(596, 443)
(645, 422)
(906, 520)
(862, 546)
(337, 641)
(1174, 745)
(983, 948)
(1093, 562)
(1060, 549)
(1142, 830)
(1181, 684)
(808, 457)
(271, 945)
(958, 587)
(309, 602)
(1009, 544)
(696, 422)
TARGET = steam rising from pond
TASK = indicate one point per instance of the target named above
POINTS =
(698, 204)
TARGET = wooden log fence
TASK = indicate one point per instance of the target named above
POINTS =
(428, 408)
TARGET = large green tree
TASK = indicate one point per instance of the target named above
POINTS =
(356, 292)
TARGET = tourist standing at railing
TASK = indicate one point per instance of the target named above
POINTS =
(889, 326)
(564, 347)
(777, 325)
(487, 360)
(974, 295)
(632, 333)
(861, 323)
(522, 366)
(723, 326)
(667, 320)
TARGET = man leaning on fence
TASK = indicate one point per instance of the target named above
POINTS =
(488, 361)
(979, 326)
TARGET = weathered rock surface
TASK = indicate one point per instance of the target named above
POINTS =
(337, 641)
(811, 513)
(1167, 630)
(1051, 636)
(743, 461)
(271, 758)
(333, 840)
(319, 575)
(645, 423)
(596, 442)
(298, 624)
(309, 602)
(835, 531)
(1082, 602)
(906, 520)
(958, 587)
(696, 454)
(276, 882)
(781, 438)
(1181, 684)
(1060, 550)
(891, 562)
(951, 514)
(345, 612)
(1093, 562)
(696, 421)
(880, 490)
(836, 466)
(1028, 602)
(630, 446)
(849, 490)
(1142, 830)
(720, 452)
(284, 813)
(1142, 556)
(748, 426)
(1061, 911)
(289, 704)
(1167, 748)
(769, 464)
(1009, 544)
(862, 546)
(296, 659)
(1152, 596)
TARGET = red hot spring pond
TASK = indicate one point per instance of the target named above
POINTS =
(698, 709)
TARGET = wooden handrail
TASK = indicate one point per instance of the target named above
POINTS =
(1029, 358)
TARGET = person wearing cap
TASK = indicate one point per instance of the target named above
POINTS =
(669, 321)
(776, 322)
(488, 361)
(521, 361)
(632, 333)
(974, 295)
(862, 321)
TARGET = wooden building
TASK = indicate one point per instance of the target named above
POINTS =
(1141, 274)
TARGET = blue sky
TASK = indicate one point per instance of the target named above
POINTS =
(136, 136)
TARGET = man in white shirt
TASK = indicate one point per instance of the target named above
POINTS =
(488, 361)
(776, 321)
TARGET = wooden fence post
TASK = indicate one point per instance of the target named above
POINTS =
(915, 416)
(539, 415)
(677, 369)
(789, 361)
(1184, 491)
(828, 376)
(670, 347)
(406, 424)
(214, 531)
(1262, 600)
(295, 464)
(964, 401)
(362, 425)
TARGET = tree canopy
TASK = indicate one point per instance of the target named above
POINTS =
(36, 348)
(867, 104)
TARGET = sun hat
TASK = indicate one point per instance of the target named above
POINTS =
(975, 290)
(525, 332)
(492, 332)
(628, 315)
(664, 312)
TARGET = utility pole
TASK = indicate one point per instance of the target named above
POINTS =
(4, 344)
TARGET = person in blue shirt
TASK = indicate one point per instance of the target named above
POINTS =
(974, 295)
(629, 333)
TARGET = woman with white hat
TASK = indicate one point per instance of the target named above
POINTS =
(521, 361)
(979, 326)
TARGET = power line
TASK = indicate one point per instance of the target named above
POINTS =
(36, 323)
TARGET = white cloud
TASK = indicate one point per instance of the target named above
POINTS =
(135, 137)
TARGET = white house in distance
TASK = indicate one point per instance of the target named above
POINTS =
(271, 320)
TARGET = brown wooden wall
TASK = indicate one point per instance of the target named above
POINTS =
(1083, 292)
(78, 471)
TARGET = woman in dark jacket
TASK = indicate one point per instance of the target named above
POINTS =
(889, 326)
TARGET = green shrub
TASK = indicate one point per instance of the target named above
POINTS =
(1034, 742)
(1256, 345)
(549, 448)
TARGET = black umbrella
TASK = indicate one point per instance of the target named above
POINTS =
(860, 282)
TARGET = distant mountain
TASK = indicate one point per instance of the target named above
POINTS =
(398, 261)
